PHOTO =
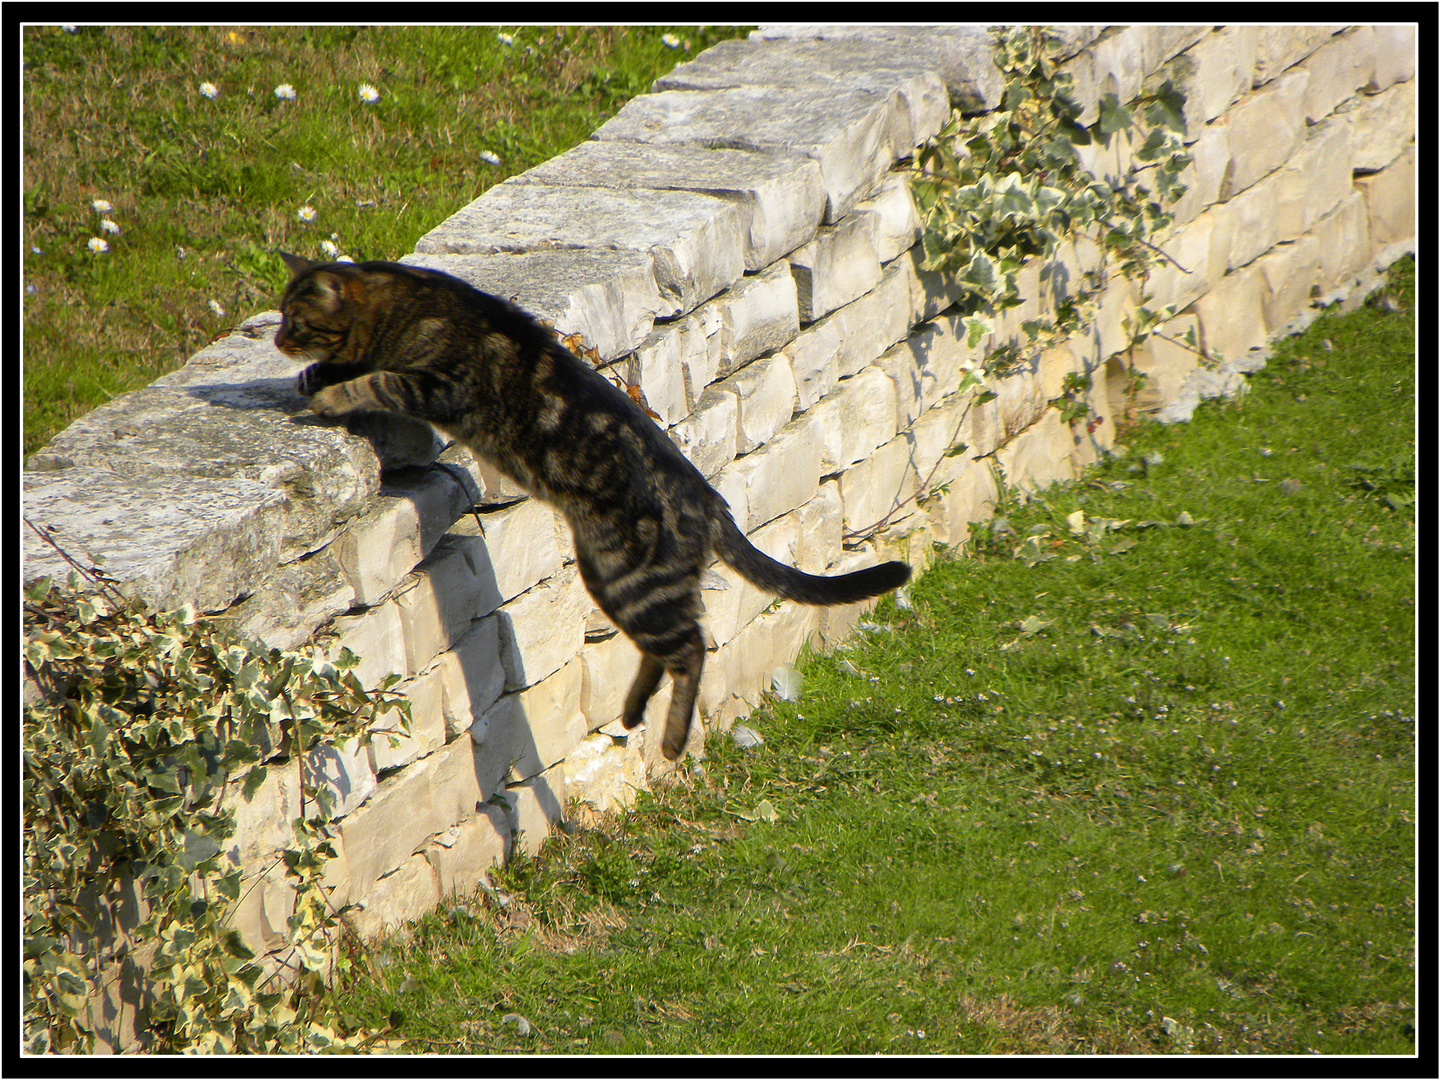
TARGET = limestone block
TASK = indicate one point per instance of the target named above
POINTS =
(781, 474)
(169, 539)
(1165, 363)
(813, 356)
(1203, 177)
(759, 316)
(728, 610)
(847, 134)
(1344, 236)
(605, 773)
(542, 628)
(1395, 55)
(1382, 126)
(780, 199)
(231, 418)
(693, 239)
(437, 603)
(411, 806)
(882, 485)
(731, 486)
(427, 724)
(535, 805)
(961, 54)
(937, 432)
(263, 911)
(1338, 69)
(707, 436)
(1040, 455)
(404, 894)
(1280, 47)
(607, 668)
(821, 523)
(856, 419)
(765, 396)
(1254, 227)
(871, 324)
(892, 218)
(294, 600)
(1266, 127)
(931, 291)
(1198, 251)
(406, 521)
(920, 104)
(1232, 314)
(345, 770)
(659, 368)
(1390, 200)
(262, 824)
(521, 545)
(377, 639)
(1291, 272)
(838, 266)
(1212, 73)
(545, 720)
(970, 497)
(1315, 180)
(472, 675)
(462, 856)
(610, 298)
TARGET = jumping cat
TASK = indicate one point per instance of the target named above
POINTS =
(426, 344)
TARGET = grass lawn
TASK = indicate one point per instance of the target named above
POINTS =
(1143, 785)
(193, 153)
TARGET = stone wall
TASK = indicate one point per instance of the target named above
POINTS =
(740, 244)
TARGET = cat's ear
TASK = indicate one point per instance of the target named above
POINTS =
(296, 263)
(337, 285)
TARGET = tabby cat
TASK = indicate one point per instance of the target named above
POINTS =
(423, 343)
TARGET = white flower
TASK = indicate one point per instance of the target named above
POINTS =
(97, 245)
(69, 29)
(505, 39)
(208, 90)
(489, 157)
(670, 41)
(216, 308)
(345, 258)
(305, 213)
(368, 93)
(285, 92)
(100, 206)
(109, 226)
(329, 248)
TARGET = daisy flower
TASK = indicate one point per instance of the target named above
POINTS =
(489, 157)
(216, 308)
(97, 245)
(100, 206)
(328, 246)
(285, 92)
(305, 213)
(369, 94)
(670, 41)
(109, 226)
(505, 39)
(208, 90)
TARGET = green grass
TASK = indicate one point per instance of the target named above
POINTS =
(1177, 816)
(205, 190)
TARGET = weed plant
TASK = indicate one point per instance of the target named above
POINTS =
(164, 166)
(1137, 776)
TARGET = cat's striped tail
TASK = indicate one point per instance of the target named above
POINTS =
(736, 551)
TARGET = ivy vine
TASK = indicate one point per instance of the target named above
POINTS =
(137, 725)
(998, 190)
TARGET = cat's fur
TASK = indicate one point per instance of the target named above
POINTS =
(428, 345)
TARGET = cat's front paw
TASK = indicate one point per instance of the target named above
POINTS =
(331, 401)
(308, 382)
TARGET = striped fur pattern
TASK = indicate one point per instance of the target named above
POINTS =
(645, 521)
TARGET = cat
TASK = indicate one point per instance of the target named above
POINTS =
(426, 344)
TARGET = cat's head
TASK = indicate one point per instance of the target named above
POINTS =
(319, 308)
